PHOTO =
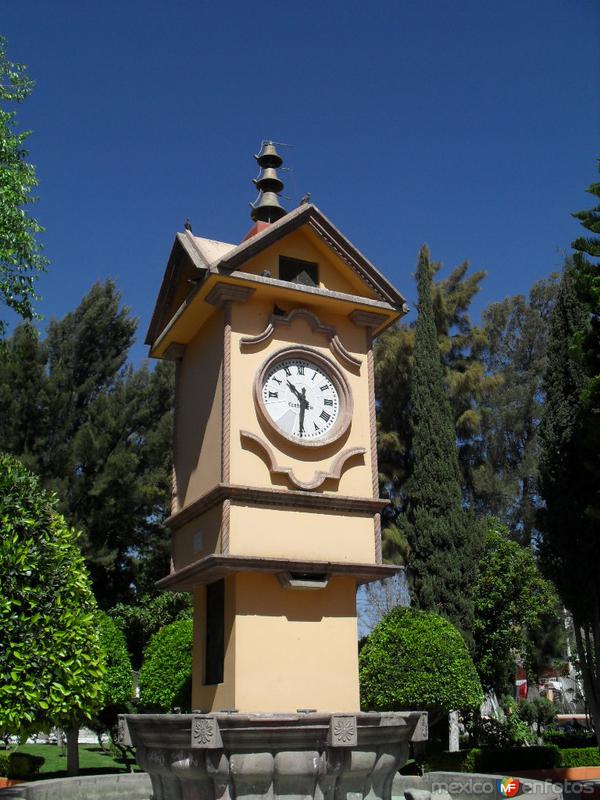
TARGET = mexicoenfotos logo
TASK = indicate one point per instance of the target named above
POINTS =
(508, 787)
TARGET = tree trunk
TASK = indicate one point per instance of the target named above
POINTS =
(453, 732)
(72, 751)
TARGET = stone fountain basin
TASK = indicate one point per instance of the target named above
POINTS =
(270, 756)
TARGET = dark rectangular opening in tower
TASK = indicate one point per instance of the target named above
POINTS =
(295, 270)
(215, 632)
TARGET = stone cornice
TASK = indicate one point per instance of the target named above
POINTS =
(276, 498)
(213, 567)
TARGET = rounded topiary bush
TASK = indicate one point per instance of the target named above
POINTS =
(51, 666)
(166, 673)
(417, 660)
(118, 678)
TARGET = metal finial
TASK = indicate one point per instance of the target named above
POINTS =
(266, 207)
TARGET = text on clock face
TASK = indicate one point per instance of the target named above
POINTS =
(300, 399)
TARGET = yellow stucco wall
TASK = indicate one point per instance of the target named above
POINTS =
(309, 535)
(334, 274)
(286, 649)
(198, 538)
(198, 413)
(247, 466)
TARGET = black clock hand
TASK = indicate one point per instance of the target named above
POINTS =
(294, 390)
(303, 406)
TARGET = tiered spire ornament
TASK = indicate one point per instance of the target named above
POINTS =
(266, 207)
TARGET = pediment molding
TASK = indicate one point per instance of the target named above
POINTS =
(329, 332)
(319, 477)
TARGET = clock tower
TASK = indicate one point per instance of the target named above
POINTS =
(275, 511)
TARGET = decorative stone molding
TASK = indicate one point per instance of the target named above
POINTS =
(310, 755)
(318, 479)
(174, 352)
(342, 731)
(221, 293)
(226, 392)
(366, 319)
(206, 733)
(329, 332)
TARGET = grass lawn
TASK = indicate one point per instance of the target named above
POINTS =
(92, 760)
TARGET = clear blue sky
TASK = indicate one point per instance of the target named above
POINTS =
(471, 125)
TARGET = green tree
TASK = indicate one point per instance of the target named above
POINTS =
(588, 343)
(23, 395)
(445, 539)
(51, 668)
(99, 434)
(505, 457)
(460, 345)
(166, 673)
(511, 599)
(570, 544)
(117, 686)
(417, 660)
(20, 254)
(141, 620)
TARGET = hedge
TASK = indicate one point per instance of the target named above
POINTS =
(580, 757)
(20, 765)
(166, 674)
(488, 760)
(570, 738)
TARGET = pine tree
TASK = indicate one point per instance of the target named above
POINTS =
(23, 397)
(99, 434)
(505, 457)
(444, 538)
(570, 545)
(588, 344)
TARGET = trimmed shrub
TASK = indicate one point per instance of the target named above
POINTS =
(4, 764)
(460, 761)
(580, 757)
(572, 737)
(417, 660)
(166, 674)
(518, 758)
(118, 680)
(23, 766)
(495, 761)
(50, 660)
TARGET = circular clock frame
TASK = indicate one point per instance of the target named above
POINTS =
(337, 378)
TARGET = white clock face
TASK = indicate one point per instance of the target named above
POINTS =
(300, 399)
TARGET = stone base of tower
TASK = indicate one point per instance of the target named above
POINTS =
(271, 756)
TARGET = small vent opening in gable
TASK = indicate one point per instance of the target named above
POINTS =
(295, 270)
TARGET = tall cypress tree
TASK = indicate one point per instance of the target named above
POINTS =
(570, 458)
(445, 539)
